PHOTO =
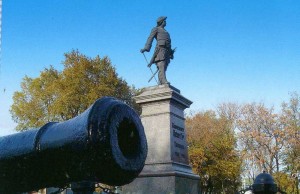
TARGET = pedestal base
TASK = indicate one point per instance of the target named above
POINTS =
(167, 169)
(163, 184)
(164, 178)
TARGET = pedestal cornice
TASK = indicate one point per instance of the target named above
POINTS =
(162, 93)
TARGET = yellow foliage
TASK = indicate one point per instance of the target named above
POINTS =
(61, 95)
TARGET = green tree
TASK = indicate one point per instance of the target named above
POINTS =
(61, 95)
(285, 182)
(34, 104)
(212, 152)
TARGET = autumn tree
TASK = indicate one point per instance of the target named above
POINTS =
(268, 140)
(262, 136)
(61, 95)
(33, 106)
(212, 152)
(291, 122)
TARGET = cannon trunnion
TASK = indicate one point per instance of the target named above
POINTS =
(106, 144)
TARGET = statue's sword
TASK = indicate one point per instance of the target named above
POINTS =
(153, 74)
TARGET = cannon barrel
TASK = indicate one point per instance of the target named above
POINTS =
(106, 144)
(264, 184)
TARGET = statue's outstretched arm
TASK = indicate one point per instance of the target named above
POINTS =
(150, 40)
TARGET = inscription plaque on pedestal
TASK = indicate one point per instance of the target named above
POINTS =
(167, 167)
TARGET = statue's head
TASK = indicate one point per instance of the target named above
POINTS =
(161, 21)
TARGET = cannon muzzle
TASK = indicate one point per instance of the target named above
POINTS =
(106, 144)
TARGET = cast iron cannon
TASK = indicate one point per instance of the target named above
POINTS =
(106, 144)
(264, 184)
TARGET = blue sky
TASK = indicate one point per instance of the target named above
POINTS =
(227, 51)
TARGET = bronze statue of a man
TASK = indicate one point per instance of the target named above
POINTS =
(163, 52)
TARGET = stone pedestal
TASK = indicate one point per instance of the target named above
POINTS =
(167, 167)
